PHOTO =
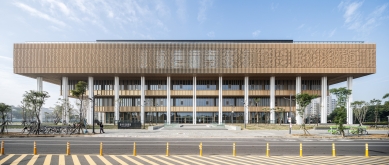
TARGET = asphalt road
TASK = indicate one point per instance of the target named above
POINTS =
(190, 146)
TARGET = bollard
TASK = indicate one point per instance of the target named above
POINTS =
(35, 148)
(201, 148)
(267, 150)
(167, 149)
(68, 148)
(134, 151)
(101, 148)
(367, 150)
(301, 149)
(2, 148)
(233, 149)
(333, 150)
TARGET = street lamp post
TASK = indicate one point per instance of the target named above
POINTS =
(93, 114)
(232, 117)
(290, 113)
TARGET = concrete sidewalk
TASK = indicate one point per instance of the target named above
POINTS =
(161, 133)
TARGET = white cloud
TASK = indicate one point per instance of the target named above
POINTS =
(256, 33)
(39, 14)
(181, 9)
(204, 5)
(54, 4)
(6, 58)
(355, 20)
(301, 26)
(332, 33)
(211, 34)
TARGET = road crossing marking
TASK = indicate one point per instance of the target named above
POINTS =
(132, 160)
(105, 161)
(17, 161)
(6, 158)
(220, 161)
(159, 159)
(75, 160)
(237, 159)
(148, 161)
(177, 160)
(33, 160)
(90, 160)
(196, 158)
(47, 160)
(117, 159)
(61, 160)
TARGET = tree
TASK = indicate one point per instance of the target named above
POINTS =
(79, 92)
(36, 99)
(377, 107)
(26, 108)
(267, 114)
(360, 109)
(257, 100)
(280, 116)
(303, 100)
(342, 96)
(4, 109)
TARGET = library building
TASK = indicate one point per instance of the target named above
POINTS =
(196, 81)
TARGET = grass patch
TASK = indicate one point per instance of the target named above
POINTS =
(270, 126)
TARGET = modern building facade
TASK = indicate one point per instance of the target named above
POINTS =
(196, 81)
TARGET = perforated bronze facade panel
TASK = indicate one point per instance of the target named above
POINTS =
(50, 60)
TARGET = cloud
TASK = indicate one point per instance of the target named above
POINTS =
(56, 4)
(332, 33)
(6, 58)
(256, 33)
(211, 34)
(355, 20)
(204, 5)
(181, 9)
(39, 14)
(301, 26)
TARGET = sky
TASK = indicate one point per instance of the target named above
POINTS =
(90, 20)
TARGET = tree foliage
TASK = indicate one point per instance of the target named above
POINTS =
(377, 108)
(79, 92)
(36, 99)
(360, 109)
(341, 115)
(4, 109)
(303, 100)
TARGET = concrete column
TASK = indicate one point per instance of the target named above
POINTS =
(349, 101)
(65, 97)
(323, 117)
(194, 99)
(142, 100)
(39, 82)
(168, 100)
(272, 99)
(246, 99)
(299, 118)
(91, 96)
(220, 117)
(117, 99)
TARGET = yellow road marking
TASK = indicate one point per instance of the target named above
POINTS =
(175, 157)
(216, 160)
(75, 160)
(179, 157)
(61, 160)
(148, 161)
(159, 159)
(105, 161)
(47, 160)
(33, 160)
(199, 159)
(237, 159)
(132, 160)
(117, 159)
(6, 158)
(89, 159)
(17, 161)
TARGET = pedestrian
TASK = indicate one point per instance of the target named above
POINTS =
(101, 127)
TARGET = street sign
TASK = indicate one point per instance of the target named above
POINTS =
(289, 119)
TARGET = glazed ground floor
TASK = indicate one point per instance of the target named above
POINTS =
(188, 118)
(201, 98)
